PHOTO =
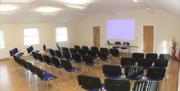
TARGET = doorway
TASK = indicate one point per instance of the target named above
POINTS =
(96, 36)
(148, 38)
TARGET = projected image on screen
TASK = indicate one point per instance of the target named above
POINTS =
(123, 29)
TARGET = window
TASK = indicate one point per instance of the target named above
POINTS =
(31, 36)
(2, 44)
(61, 34)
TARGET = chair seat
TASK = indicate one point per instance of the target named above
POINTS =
(48, 76)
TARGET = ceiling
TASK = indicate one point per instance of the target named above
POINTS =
(26, 13)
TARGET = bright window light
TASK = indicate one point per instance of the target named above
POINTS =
(61, 34)
(165, 47)
(75, 6)
(31, 36)
(48, 9)
(6, 8)
(2, 44)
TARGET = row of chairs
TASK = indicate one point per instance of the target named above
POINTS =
(134, 72)
(42, 74)
(92, 83)
(54, 61)
(143, 62)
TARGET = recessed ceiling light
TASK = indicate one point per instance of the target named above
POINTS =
(75, 6)
(48, 9)
(137, 1)
(6, 8)
(16, 1)
(77, 2)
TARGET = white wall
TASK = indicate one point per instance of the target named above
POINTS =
(14, 36)
(165, 27)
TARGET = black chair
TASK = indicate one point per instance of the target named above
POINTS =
(67, 55)
(72, 50)
(58, 54)
(137, 56)
(160, 63)
(30, 49)
(156, 73)
(126, 61)
(58, 46)
(164, 56)
(117, 43)
(146, 85)
(39, 57)
(152, 55)
(125, 45)
(47, 59)
(44, 48)
(89, 83)
(134, 72)
(114, 52)
(77, 47)
(34, 54)
(52, 52)
(104, 50)
(11, 53)
(96, 49)
(77, 58)
(56, 62)
(103, 55)
(65, 49)
(82, 52)
(89, 60)
(68, 66)
(112, 71)
(145, 62)
(85, 48)
(117, 85)
(92, 53)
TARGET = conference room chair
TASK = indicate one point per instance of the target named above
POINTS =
(89, 60)
(77, 47)
(125, 45)
(145, 62)
(152, 55)
(164, 56)
(112, 71)
(115, 52)
(146, 85)
(58, 54)
(77, 58)
(56, 62)
(44, 48)
(72, 50)
(39, 57)
(117, 43)
(52, 52)
(103, 55)
(85, 48)
(127, 61)
(66, 55)
(89, 83)
(65, 49)
(16, 52)
(96, 49)
(117, 85)
(160, 63)
(92, 53)
(11, 53)
(134, 72)
(47, 59)
(82, 52)
(156, 73)
(103, 49)
(30, 49)
(34, 54)
(68, 66)
(137, 56)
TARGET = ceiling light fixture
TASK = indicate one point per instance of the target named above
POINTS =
(78, 4)
(48, 9)
(6, 8)
(137, 1)
(16, 1)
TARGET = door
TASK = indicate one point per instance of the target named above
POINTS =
(148, 38)
(96, 36)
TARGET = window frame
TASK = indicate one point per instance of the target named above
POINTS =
(3, 40)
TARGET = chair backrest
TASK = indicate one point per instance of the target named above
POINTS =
(85, 48)
(15, 50)
(137, 56)
(145, 62)
(152, 55)
(164, 56)
(52, 52)
(126, 43)
(104, 50)
(103, 55)
(156, 73)
(72, 50)
(112, 71)
(114, 52)
(67, 65)
(76, 57)
(127, 61)
(77, 47)
(56, 61)
(117, 85)
(39, 57)
(47, 59)
(96, 49)
(34, 54)
(160, 63)
(58, 54)
(134, 72)
(44, 48)
(30, 49)
(118, 43)
(89, 60)
(65, 49)
(146, 85)
(11, 53)
(66, 55)
(89, 82)
(58, 46)
(92, 53)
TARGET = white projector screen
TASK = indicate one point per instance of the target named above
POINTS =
(121, 29)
